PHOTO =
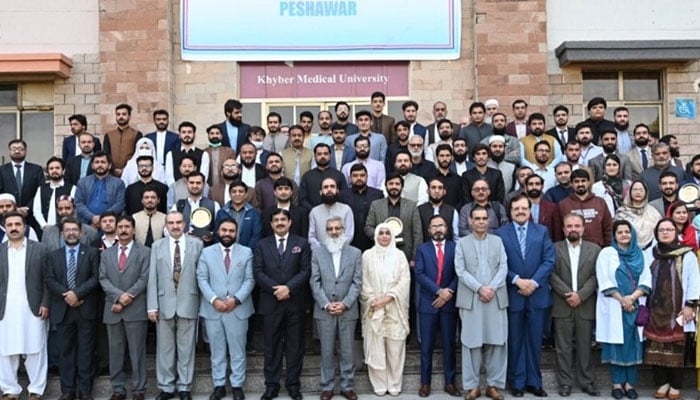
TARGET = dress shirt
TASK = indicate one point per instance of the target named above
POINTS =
(460, 168)
(517, 236)
(129, 246)
(51, 215)
(520, 128)
(232, 135)
(574, 254)
(160, 146)
(108, 243)
(284, 244)
(336, 262)
(590, 153)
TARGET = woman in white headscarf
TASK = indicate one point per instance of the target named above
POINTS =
(384, 300)
(144, 147)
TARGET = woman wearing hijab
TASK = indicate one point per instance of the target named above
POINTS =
(636, 209)
(144, 147)
(675, 289)
(611, 188)
(384, 300)
(623, 278)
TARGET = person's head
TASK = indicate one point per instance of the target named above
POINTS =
(481, 191)
(624, 234)
(144, 165)
(695, 166)
(580, 181)
(329, 191)
(283, 189)
(126, 228)
(477, 112)
(520, 209)
(65, 206)
(596, 108)
(108, 222)
(238, 191)
(608, 140)
(54, 169)
(256, 136)
(584, 133)
(281, 221)
(436, 190)
(437, 228)
(358, 176)
(306, 120)
(678, 213)
(665, 232)
(536, 123)
(248, 153)
(562, 172)
(322, 155)
(520, 109)
(274, 121)
(499, 122)
(621, 118)
(161, 119)
(233, 109)
(443, 155)
(78, 124)
(572, 151)
(573, 227)
(612, 166)
(71, 229)
(195, 184)
(273, 164)
(403, 130)
(410, 111)
(497, 148)
(445, 129)
(491, 107)
(402, 162)
(338, 133)
(187, 131)
(342, 111)
(533, 186)
(15, 226)
(439, 110)
(378, 99)
(18, 150)
(296, 136)
(363, 119)
(187, 165)
(7, 203)
(214, 135)
(661, 153)
(394, 185)
(101, 164)
(362, 147)
(334, 239)
(460, 149)
(150, 199)
(668, 183)
(638, 193)
(228, 229)
(383, 236)
(479, 220)
(673, 145)
(86, 142)
(641, 135)
(175, 224)
(543, 152)
(122, 114)
(561, 115)
(415, 146)
(480, 155)
(325, 119)
(522, 173)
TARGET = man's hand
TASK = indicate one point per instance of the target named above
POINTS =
(337, 308)
(445, 294)
(573, 299)
(117, 308)
(525, 286)
(230, 304)
(125, 299)
(71, 298)
(486, 294)
(153, 316)
(281, 292)
(43, 312)
(220, 306)
(23, 210)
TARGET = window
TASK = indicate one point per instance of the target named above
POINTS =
(640, 91)
(26, 112)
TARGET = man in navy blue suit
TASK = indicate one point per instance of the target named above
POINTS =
(234, 130)
(163, 139)
(71, 148)
(437, 282)
(531, 259)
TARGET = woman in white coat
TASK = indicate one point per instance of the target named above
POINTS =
(623, 278)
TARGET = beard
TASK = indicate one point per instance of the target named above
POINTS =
(641, 141)
(362, 154)
(403, 170)
(498, 158)
(227, 241)
(499, 131)
(609, 148)
(333, 245)
(415, 153)
(330, 199)
(323, 163)
(215, 140)
(675, 153)
(248, 164)
(585, 141)
(359, 186)
(232, 177)
(534, 193)
(621, 127)
(435, 200)
(573, 237)
(538, 132)
(460, 158)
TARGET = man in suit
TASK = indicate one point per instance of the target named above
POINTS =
(519, 127)
(531, 260)
(195, 199)
(247, 217)
(608, 141)
(187, 132)
(282, 267)
(24, 308)
(71, 144)
(72, 282)
(668, 185)
(336, 277)
(437, 284)
(410, 112)
(21, 179)
(432, 135)
(173, 304)
(381, 123)
(234, 130)
(218, 155)
(574, 284)
(99, 193)
(378, 142)
(80, 165)
(225, 276)
(124, 277)
(297, 158)
(52, 237)
(251, 171)
(359, 197)
(283, 194)
(164, 139)
(561, 131)
(640, 155)
(150, 222)
(481, 265)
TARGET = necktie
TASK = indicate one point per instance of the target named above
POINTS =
(149, 234)
(440, 262)
(280, 247)
(122, 259)
(227, 259)
(18, 178)
(562, 135)
(72, 269)
(177, 264)
(521, 239)
(645, 159)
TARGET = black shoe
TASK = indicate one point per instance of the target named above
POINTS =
(618, 393)
(296, 395)
(537, 391)
(564, 390)
(238, 393)
(631, 394)
(270, 393)
(517, 392)
(165, 395)
(218, 393)
(67, 396)
(185, 395)
(591, 390)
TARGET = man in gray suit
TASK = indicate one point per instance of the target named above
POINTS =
(173, 304)
(123, 277)
(65, 207)
(225, 276)
(482, 298)
(336, 277)
(573, 282)
(22, 322)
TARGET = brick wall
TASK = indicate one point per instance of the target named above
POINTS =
(679, 81)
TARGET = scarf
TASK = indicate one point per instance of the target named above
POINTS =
(632, 257)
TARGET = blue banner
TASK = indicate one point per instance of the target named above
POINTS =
(274, 30)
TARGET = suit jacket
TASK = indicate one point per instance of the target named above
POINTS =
(52, 236)
(554, 132)
(289, 158)
(133, 280)
(510, 129)
(538, 265)
(115, 196)
(68, 148)
(387, 129)
(36, 257)
(348, 156)
(172, 142)
(242, 135)
(427, 272)
(560, 280)
(162, 296)
(412, 234)
(327, 288)
(87, 284)
(72, 172)
(300, 221)
(467, 269)
(32, 178)
(292, 268)
(157, 226)
(636, 162)
(597, 165)
(218, 192)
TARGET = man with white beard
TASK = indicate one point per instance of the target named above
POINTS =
(336, 276)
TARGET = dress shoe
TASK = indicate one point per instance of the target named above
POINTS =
(537, 391)
(473, 394)
(163, 395)
(424, 390)
(270, 393)
(327, 395)
(517, 392)
(118, 396)
(184, 395)
(296, 395)
(238, 393)
(632, 394)
(66, 396)
(138, 396)
(218, 393)
(564, 390)
(452, 390)
(349, 394)
(618, 393)
(591, 390)
(493, 393)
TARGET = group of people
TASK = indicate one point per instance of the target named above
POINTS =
(486, 236)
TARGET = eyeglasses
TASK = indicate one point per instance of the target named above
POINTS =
(637, 189)
(667, 230)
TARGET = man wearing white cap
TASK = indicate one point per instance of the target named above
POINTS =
(7, 204)
(497, 148)
(491, 108)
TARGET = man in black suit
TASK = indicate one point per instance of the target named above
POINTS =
(21, 179)
(283, 192)
(72, 281)
(80, 166)
(561, 131)
(71, 144)
(163, 139)
(282, 267)
(359, 196)
(235, 131)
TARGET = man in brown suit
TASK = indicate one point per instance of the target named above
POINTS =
(120, 142)
(382, 123)
(573, 282)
